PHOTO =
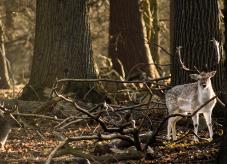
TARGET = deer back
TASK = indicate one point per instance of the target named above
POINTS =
(189, 97)
(182, 98)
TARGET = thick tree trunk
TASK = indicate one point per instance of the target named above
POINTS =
(128, 37)
(222, 154)
(193, 25)
(62, 45)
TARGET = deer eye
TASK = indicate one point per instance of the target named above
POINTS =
(204, 85)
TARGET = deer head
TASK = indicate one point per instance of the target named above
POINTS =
(203, 78)
(6, 117)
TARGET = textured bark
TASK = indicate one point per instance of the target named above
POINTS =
(193, 25)
(10, 7)
(62, 44)
(128, 37)
(4, 73)
(222, 157)
(155, 50)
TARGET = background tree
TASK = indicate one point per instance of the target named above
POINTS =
(4, 73)
(128, 37)
(193, 25)
(155, 50)
(222, 158)
(8, 24)
(62, 45)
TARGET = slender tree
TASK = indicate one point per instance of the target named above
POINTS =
(128, 40)
(62, 45)
(155, 50)
(193, 25)
(4, 73)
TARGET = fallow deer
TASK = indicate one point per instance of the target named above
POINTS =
(187, 98)
(7, 122)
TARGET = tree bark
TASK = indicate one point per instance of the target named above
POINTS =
(155, 50)
(222, 157)
(193, 25)
(128, 37)
(10, 7)
(4, 73)
(62, 45)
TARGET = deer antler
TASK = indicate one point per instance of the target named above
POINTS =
(178, 51)
(6, 110)
(216, 46)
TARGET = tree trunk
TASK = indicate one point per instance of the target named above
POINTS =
(10, 8)
(193, 25)
(128, 38)
(222, 157)
(4, 73)
(155, 50)
(62, 45)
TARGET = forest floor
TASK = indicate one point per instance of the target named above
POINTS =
(27, 145)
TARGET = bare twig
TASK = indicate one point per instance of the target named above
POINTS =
(38, 116)
(162, 48)
(122, 68)
(82, 110)
(114, 81)
(34, 91)
(143, 64)
(55, 150)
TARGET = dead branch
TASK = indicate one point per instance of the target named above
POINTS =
(82, 110)
(101, 137)
(114, 81)
(129, 76)
(55, 150)
(132, 155)
(162, 48)
(65, 120)
(122, 68)
(38, 116)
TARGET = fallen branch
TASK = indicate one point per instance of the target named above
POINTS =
(38, 116)
(114, 81)
(55, 150)
(93, 137)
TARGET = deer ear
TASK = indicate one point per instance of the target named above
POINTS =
(194, 76)
(211, 74)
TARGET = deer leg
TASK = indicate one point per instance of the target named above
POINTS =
(195, 120)
(208, 119)
(3, 142)
(174, 134)
(174, 127)
(169, 128)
